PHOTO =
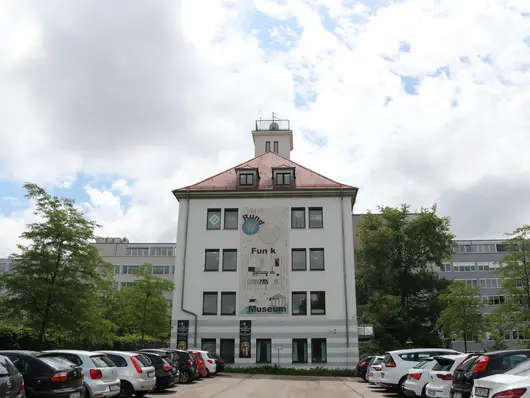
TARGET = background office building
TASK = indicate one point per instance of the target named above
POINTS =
(265, 266)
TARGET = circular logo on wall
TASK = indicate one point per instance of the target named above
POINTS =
(250, 226)
(269, 233)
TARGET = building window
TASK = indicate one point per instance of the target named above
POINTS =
(213, 219)
(161, 270)
(229, 260)
(231, 218)
(298, 218)
(209, 303)
(316, 259)
(319, 351)
(263, 350)
(267, 146)
(162, 251)
(283, 178)
(299, 350)
(172, 269)
(227, 350)
(127, 284)
(137, 251)
(318, 303)
(276, 147)
(246, 179)
(228, 303)
(116, 269)
(211, 260)
(130, 269)
(298, 259)
(299, 303)
(116, 285)
(316, 217)
(208, 345)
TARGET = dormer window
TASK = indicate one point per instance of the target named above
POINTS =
(283, 177)
(247, 178)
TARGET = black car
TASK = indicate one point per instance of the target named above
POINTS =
(187, 372)
(218, 361)
(48, 376)
(362, 367)
(165, 373)
(11, 381)
(483, 365)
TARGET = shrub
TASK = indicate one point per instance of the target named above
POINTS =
(285, 371)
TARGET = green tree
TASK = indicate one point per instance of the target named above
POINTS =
(144, 305)
(500, 323)
(462, 315)
(396, 260)
(515, 273)
(58, 275)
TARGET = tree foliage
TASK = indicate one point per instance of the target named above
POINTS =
(462, 316)
(397, 285)
(143, 308)
(499, 324)
(58, 277)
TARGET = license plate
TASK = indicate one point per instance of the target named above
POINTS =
(150, 374)
(75, 395)
(114, 387)
(482, 392)
(457, 395)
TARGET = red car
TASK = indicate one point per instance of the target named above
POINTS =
(200, 364)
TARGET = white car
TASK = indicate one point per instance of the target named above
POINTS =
(397, 364)
(375, 366)
(418, 377)
(514, 383)
(101, 375)
(209, 363)
(135, 371)
(441, 375)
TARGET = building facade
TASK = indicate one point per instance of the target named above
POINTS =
(127, 257)
(264, 262)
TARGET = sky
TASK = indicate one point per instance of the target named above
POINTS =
(117, 103)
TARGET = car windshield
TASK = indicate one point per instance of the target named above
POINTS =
(102, 361)
(523, 369)
(423, 364)
(3, 366)
(143, 360)
(377, 361)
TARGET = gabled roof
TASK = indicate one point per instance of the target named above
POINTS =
(226, 181)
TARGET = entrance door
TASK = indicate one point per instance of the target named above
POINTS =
(263, 350)
(227, 350)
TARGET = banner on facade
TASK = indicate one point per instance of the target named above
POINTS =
(245, 338)
(265, 260)
(183, 328)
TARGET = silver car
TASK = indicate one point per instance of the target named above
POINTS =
(135, 371)
(101, 375)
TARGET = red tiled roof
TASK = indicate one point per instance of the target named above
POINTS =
(304, 178)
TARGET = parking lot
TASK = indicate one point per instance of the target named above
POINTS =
(268, 386)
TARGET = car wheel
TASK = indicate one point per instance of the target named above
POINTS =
(401, 386)
(184, 377)
(140, 394)
(126, 390)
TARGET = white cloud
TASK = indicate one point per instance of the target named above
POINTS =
(164, 96)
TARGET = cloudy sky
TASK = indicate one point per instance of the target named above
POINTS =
(116, 103)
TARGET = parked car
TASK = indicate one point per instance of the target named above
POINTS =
(397, 364)
(441, 375)
(165, 373)
(484, 365)
(135, 371)
(48, 376)
(101, 374)
(418, 377)
(219, 362)
(200, 363)
(11, 380)
(374, 366)
(181, 360)
(514, 383)
(194, 361)
(362, 367)
(209, 363)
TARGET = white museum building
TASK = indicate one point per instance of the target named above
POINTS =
(264, 265)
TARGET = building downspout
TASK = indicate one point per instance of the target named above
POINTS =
(344, 274)
(184, 270)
